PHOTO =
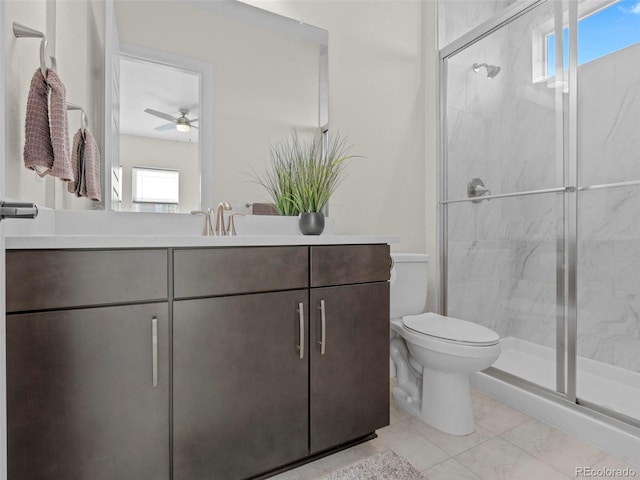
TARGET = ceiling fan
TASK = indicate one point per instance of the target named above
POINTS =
(181, 123)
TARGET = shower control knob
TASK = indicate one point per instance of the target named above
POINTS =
(476, 188)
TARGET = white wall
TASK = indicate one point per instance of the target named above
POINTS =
(382, 96)
(157, 153)
(80, 57)
(457, 17)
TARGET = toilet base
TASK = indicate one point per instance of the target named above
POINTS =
(445, 403)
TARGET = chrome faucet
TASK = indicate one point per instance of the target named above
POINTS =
(231, 226)
(208, 229)
(220, 230)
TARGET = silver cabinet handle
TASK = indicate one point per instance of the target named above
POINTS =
(323, 328)
(154, 349)
(301, 318)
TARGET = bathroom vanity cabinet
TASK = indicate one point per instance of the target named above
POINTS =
(240, 379)
(238, 361)
(87, 385)
(350, 375)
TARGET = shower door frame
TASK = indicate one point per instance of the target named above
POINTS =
(567, 243)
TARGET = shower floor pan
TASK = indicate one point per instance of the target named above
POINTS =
(599, 383)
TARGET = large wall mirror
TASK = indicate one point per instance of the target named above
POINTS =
(184, 97)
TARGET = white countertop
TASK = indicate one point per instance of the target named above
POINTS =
(59, 229)
(166, 241)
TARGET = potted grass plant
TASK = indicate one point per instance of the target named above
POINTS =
(303, 176)
(278, 180)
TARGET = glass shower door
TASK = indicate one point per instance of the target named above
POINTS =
(540, 127)
(504, 252)
(608, 246)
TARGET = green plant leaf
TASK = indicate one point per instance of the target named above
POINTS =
(303, 175)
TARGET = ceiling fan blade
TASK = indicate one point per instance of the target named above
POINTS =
(191, 121)
(193, 126)
(156, 113)
(168, 126)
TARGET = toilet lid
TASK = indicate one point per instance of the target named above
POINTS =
(451, 329)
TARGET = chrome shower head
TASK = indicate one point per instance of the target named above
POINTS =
(492, 70)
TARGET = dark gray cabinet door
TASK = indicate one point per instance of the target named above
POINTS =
(240, 387)
(350, 380)
(81, 403)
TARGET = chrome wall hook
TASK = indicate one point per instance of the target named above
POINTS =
(22, 31)
(83, 122)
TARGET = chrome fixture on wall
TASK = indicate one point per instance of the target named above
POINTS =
(492, 70)
(208, 228)
(84, 122)
(22, 31)
(220, 229)
(18, 210)
(476, 188)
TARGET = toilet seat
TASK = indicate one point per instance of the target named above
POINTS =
(450, 330)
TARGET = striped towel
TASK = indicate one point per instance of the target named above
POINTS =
(264, 209)
(85, 161)
(38, 151)
(46, 147)
(59, 128)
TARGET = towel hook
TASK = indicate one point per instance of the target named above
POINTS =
(22, 31)
(84, 122)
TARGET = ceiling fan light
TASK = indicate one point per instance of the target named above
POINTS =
(183, 127)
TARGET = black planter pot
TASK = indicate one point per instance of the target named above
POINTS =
(311, 223)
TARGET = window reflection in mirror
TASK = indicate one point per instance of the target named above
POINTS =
(155, 190)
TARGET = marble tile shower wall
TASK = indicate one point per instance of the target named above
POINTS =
(609, 220)
(502, 253)
(457, 17)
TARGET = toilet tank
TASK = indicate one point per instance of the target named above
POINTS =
(408, 283)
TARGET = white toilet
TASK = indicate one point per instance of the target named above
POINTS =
(434, 355)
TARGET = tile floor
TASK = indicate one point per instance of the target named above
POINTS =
(507, 445)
